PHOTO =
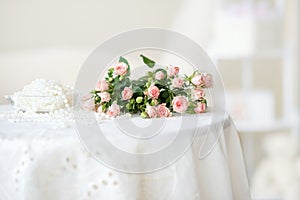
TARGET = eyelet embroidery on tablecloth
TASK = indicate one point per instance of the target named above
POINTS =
(105, 182)
(26, 159)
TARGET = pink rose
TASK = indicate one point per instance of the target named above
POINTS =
(173, 71)
(151, 111)
(101, 86)
(153, 92)
(127, 93)
(207, 80)
(197, 94)
(105, 97)
(197, 80)
(163, 111)
(201, 107)
(159, 75)
(113, 110)
(177, 82)
(204, 80)
(88, 102)
(180, 104)
(121, 68)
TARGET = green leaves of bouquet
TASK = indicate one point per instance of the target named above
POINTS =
(159, 93)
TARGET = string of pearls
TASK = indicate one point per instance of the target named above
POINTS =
(58, 119)
(43, 96)
(48, 101)
(42, 101)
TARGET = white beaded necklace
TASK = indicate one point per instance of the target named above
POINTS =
(42, 101)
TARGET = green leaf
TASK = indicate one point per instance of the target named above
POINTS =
(140, 84)
(150, 63)
(180, 91)
(123, 60)
(202, 100)
(164, 94)
(137, 90)
(143, 78)
(93, 92)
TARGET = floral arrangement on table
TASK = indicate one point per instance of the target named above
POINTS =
(160, 93)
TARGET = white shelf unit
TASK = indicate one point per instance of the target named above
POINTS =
(287, 54)
(283, 51)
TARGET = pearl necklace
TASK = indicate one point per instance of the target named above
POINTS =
(59, 119)
(43, 96)
(42, 101)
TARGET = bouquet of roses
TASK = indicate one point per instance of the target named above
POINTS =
(159, 93)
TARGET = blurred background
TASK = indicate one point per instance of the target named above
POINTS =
(255, 44)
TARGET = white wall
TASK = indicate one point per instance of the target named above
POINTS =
(50, 39)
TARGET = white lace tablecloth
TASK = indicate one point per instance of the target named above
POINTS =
(41, 163)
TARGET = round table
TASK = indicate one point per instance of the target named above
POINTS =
(40, 162)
